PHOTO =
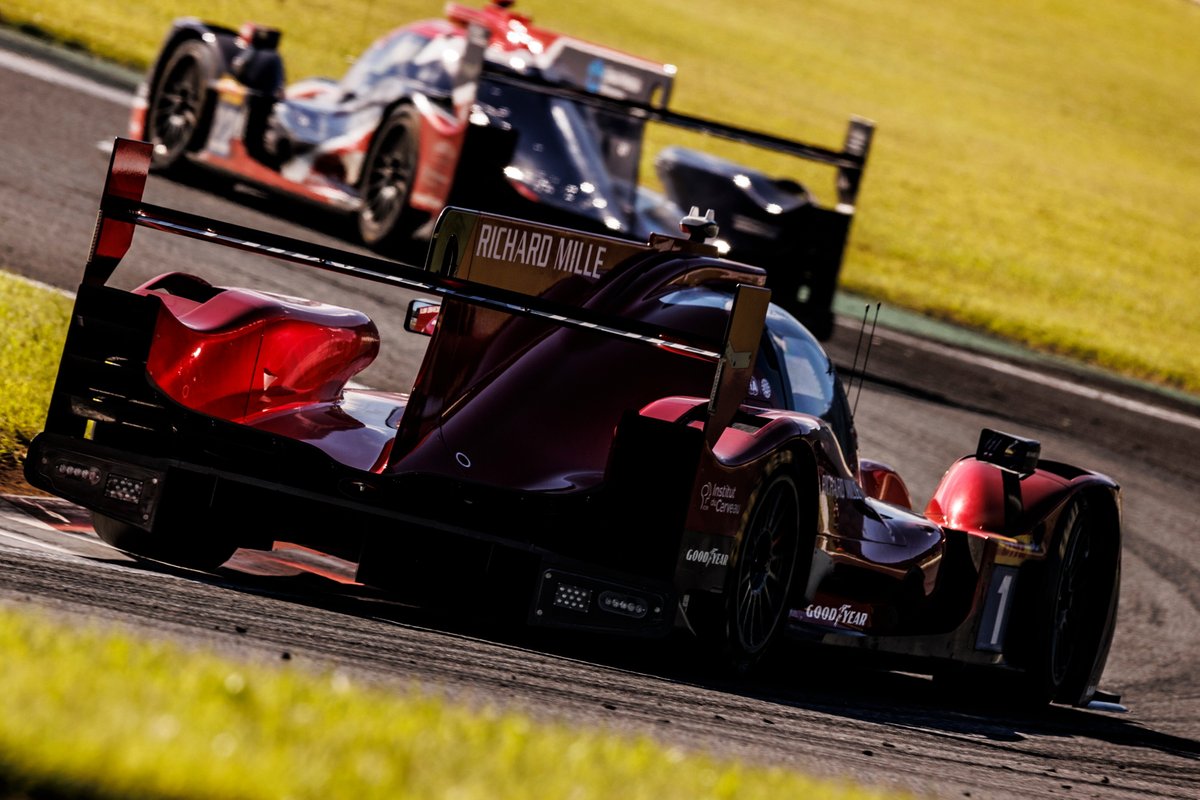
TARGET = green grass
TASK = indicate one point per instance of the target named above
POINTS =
(34, 321)
(92, 712)
(1035, 173)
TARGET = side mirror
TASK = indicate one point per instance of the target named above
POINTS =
(422, 316)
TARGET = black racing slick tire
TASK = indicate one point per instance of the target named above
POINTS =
(180, 108)
(1085, 573)
(183, 546)
(1075, 612)
(762, 571)
(385, 219)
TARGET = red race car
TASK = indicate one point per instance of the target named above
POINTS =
(620, 437)
(485, 110)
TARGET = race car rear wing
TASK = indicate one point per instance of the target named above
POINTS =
(569, 76)
(850, 161)
(452, 259)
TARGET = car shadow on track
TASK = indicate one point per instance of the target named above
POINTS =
(907, 700)
(825, 683)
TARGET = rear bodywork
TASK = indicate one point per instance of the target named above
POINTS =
(516, 119)
(571, 442)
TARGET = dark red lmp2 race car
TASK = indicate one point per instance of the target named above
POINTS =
(487, 111)
(627, 438)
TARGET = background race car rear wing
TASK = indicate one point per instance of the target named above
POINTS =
(465, 244)
(770, 220)
(850, 161)
(569, 76)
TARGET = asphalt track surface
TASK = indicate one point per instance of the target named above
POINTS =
(921, 407)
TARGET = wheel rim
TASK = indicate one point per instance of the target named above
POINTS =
(177, 108)
(1069, 609)
(766, 566)
(388, 180)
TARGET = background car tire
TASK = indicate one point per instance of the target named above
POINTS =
(386, 220)
(762, 571)
(183, 546)
(180, 109)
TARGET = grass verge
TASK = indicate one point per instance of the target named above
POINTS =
(1035, 173)
(34, 321)
(91, 712)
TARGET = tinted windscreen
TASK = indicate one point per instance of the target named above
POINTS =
(813, 381)
(798, 368)
(810, 373)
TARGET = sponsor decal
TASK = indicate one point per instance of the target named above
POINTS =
(719, 497)
(595, 75)
(842, 615)
(1015, 553)
(839, 488)
(856, 142)
(537, 249)
(709, 558)
(760, 386)
(603, 78)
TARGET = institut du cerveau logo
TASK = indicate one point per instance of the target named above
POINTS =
(720, 498)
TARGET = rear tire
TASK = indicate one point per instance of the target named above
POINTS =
(386, 220)
(189, 546)
(180, 109)
(761, 572)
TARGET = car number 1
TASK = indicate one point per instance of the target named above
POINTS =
(996, 608)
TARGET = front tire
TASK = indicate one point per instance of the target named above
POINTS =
(1076, 610)
(385, 219)
(189, 546)
(761, 572)
(179, 114)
